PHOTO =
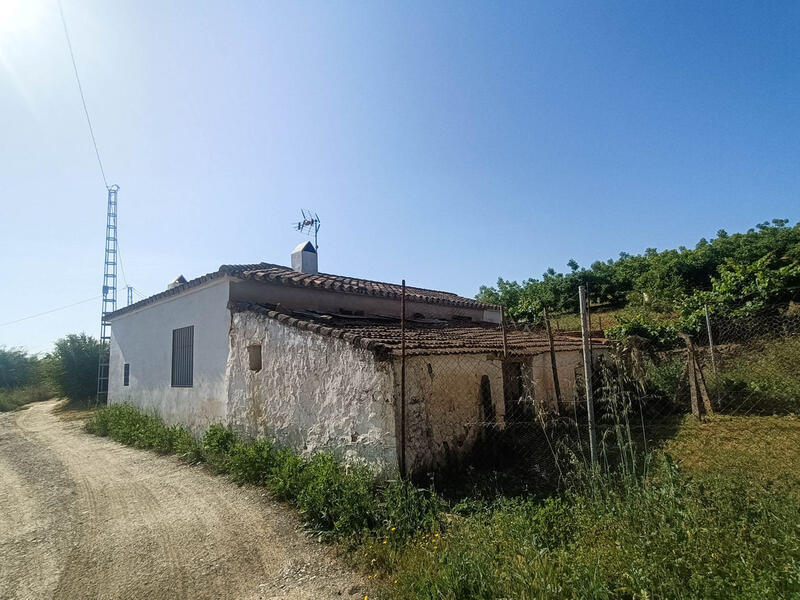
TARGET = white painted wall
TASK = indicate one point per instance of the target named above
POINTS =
(313, 392)
(143, 338)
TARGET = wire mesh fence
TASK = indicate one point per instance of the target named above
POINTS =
(752, 363)
(519, 412)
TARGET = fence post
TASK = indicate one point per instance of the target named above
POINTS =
(710, 341)
(587, 371)
(698, 393)
(403, 380)
(505, 336)
(556, 383)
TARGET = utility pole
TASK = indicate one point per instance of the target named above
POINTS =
(586, 334)
(109, 293)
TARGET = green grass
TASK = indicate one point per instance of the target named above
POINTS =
(714, 515)
(762, 377)
(762, 449)
(14, 399)
(666, 536)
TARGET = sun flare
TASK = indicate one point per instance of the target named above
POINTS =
(20, 16)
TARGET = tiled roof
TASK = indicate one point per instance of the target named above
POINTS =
(382, 335)
(352, 285)
(278, 274)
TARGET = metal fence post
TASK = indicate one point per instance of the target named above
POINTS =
(586, 334)
(710, 341)
(403, 380)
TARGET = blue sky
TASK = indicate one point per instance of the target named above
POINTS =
(447, 143)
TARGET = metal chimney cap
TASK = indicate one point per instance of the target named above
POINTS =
(305, 247)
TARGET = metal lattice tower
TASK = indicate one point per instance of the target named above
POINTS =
(130, 295)
(109, 293)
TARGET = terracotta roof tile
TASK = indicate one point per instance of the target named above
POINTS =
(422, 338)
(286, 276)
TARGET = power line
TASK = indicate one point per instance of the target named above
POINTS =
(47, 312)
(80, 89)
(122, 268)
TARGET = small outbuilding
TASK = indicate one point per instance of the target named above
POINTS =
(315, 361)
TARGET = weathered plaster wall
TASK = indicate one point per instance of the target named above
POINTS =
(313, 392)
(444, 409)
(143, 339)
(443, 406)
(328, 301)
(566, 365)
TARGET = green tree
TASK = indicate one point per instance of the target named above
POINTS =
(664, 277)
(72, 366)
(17, 368)
(743, 289)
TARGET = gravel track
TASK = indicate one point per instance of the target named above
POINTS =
(84, 517)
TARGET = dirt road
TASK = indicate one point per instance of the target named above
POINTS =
(84, 517)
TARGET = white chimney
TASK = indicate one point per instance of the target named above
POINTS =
(304, 258)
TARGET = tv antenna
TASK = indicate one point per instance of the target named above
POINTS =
(309, 225)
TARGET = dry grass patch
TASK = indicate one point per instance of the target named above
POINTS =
(765, 450)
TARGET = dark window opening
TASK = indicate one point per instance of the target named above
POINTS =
(461, 318)
(486, 401)
(183, 356)
(126, 374)
(254, 357)
(518, 407)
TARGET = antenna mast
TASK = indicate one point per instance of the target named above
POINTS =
(309, 225)
(109, 293)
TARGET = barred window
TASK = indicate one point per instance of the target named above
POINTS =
(182, 356)
(126, 374)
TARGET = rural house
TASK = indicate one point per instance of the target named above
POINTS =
(314, 361)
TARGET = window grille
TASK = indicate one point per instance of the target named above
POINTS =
(182, 356)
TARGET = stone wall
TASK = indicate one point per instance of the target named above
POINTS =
(312, 393)
(443, 406)
(444, 403)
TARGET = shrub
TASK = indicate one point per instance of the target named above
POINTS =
(662, 378)
(286, 478)
(252, 462)
(337, 501)
(72, 366)
(17, 368)
(661, 335)
(406, 509)
(185, 445)
(217, 445)
(127, 425)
